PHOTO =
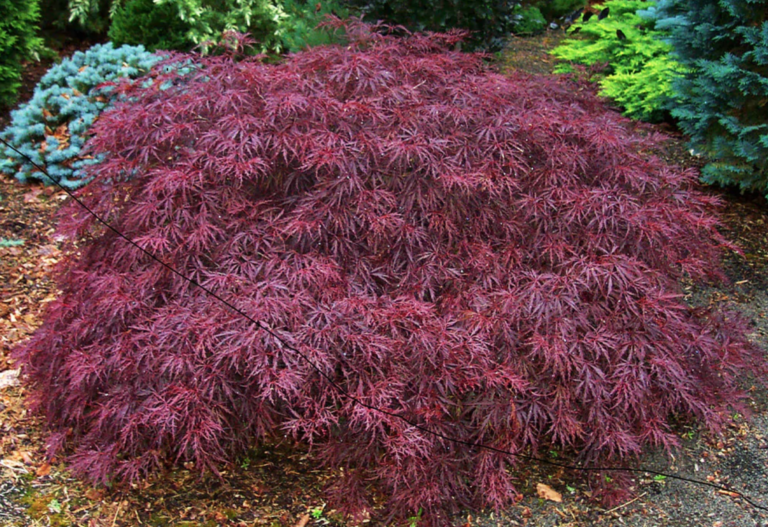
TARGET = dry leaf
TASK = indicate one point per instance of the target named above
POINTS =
(62, 135)
(94, 495)
(43, 470)
(303, 521)
(548, 493)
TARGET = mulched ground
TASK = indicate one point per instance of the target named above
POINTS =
(280, 486)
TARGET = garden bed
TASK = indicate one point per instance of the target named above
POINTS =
(280, 486)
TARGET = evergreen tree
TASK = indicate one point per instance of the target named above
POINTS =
(721, 100)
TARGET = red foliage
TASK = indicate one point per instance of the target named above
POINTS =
(495, 257)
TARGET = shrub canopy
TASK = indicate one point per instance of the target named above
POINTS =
(494, 257)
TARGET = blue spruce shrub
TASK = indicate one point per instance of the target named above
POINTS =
(51, 127)
(721, 100)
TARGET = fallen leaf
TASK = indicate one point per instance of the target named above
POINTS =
(32, 195)
(94, 495)
(303, 521)
(43, 470)
(548, 493)
(26, 458)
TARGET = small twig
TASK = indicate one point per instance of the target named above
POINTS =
(627, 503)
(114, 520)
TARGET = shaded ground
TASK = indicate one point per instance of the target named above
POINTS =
(281, 487)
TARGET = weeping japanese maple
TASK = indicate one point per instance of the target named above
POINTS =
(494, 257)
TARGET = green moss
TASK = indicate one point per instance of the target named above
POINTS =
(38, 508)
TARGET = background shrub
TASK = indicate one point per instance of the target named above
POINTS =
(200, 20)
(91, 16)
(299, 27)
(554, 9)
(155, 26)
(528, 21)
(208, 20)
(51, 128)
(720, 101)
(490, 21)
(640, 69)
(18, 43)
(495, 257)
(158, 26)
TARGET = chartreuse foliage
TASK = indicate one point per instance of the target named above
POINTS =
(640, 69)
(721, 100)
(18, 42)
(494, 257)
(490, 21)
(51, 128)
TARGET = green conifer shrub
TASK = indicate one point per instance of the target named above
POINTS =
(18, 42)
(721, 100)
(640, 67)
(51, 128)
